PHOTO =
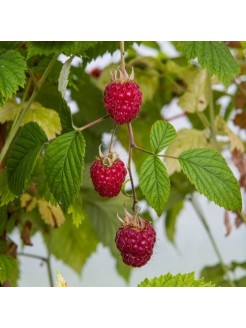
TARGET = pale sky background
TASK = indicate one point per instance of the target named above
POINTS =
(193, 249)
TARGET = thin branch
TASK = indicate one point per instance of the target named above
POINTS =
(122, 54)
(203, 220)
(33, 256)
(50, 271)
(131, 143)
(99, 120)
(112, 137)
(175, 117)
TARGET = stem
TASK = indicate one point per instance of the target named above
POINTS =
(203, 119)
(122, 54)
(99, 120)
(202, 218)
(37, 257)
(211, 112)
(50, 271)
(112, 137)
(44, 259)
(172, 118)
(131, 145)
(33, 77)
(150, 153)
(24, 109)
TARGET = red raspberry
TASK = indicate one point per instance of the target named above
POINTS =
(108, 175)
(135, 241)
(123, 101)
(95, 72)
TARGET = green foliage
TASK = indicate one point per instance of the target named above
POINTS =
(186, 139)
(210, 174)
(196, 98)
(171, 218)
(103, 216)
(77, 48)
(214, 273)
(23, 155)
(180, 280)
(6, 195)
(161, 135)
(77, 211)
(63, 77)
(155, 183)
(213, 55)
(12, 74)
(65, 116)
(9, 269)
(47, 118)
(72, 245)
(63, 162)
(3, 219)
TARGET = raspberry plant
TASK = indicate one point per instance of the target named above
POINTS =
(52, 180)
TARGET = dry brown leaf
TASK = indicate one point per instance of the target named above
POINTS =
(240, 162)
(240, 120)
(26, 233)
(227, 223)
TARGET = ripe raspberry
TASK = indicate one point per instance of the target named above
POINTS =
(135, 240)
(95, 72)
(108, 173)
(123, 100)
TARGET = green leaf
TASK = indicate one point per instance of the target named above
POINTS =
(77, 48)
(196, 98)
(235, 265)
(12, 74)
(180, 280)
(186, 139)
(3, 219)
(63, 165)
(214, 273)
(72, 245)
(47, 119)
(9, 269)
(155, 183)
(65, 116)
(63, 77)
(23, 155)
(6, 195)
(211, 176)
(103, 215)
(161, 135)
(77, 211)
(170, 220)
(213, 55)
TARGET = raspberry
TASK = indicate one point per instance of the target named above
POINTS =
(108, 173)
(123, 101)
(135, 240)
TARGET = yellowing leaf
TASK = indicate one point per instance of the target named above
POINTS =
(28, 202)
(186, 139)
(196, 98)
(61, 282)
(47, 119)
(77, 211)
(223, 129)
(51, 214)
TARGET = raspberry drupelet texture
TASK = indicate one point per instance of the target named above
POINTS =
(136, 244)
(108, 180)
(123, 101)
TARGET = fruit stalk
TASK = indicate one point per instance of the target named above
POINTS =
(122, 54)
(131, 143)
